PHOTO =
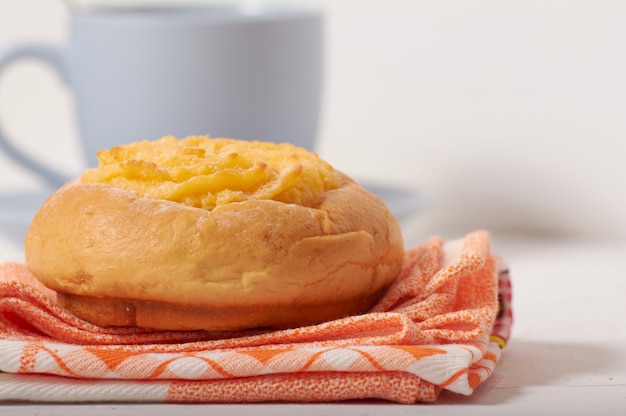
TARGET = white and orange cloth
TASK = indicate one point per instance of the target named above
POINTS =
(442, 325)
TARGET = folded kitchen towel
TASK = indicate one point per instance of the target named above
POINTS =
(442, 325)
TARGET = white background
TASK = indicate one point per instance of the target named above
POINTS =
(504, 115)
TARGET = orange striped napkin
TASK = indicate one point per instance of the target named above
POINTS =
(442, 325)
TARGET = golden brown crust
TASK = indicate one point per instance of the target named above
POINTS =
(93, 241)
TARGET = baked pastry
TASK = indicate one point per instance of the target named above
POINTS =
(213, 234)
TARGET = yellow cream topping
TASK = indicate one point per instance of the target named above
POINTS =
(204, 173)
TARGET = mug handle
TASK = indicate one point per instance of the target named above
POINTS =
(53, 56)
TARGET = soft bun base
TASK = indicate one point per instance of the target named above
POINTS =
(117, 259)
(158, 315)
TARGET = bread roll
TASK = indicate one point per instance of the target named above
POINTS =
(117, 257)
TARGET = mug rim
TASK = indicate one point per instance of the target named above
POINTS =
(183, 14)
